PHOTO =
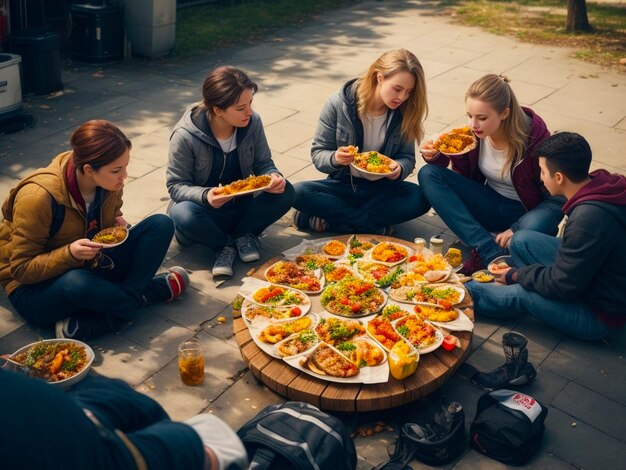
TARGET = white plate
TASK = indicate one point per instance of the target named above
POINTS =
(409, 252)
(438, 337)
(317, 274)
(65, 382)
(270, 348)
(246, 305)
(367, 175)
(289, 338)
(366, 375)
(113, 245)
(243, 193)
(435, 286)
(462, 322)
(252, 285)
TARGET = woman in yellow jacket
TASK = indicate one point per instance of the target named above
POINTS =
(51, 270)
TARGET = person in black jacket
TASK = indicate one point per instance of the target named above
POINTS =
(575, 282)
(102, 423)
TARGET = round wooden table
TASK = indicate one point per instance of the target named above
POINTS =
(432, 372)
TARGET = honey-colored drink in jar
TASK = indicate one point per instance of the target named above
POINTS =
(191, 362)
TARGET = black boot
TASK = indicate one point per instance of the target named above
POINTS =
(516, 371)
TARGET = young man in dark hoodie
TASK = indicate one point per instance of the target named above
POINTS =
(575, 283)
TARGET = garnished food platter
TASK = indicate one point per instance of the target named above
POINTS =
(318, 364)
(111, 237)
(243, 187)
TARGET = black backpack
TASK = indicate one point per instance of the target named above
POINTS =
(508, 426)
(296, 435)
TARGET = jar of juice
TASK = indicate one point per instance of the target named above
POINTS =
(191, 362)
(454, 257)
(403, 359)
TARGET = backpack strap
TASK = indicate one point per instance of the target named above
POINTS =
(58, 215)
(262, 459)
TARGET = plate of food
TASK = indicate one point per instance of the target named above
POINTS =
(444, 295)
(371, 165)
(458, 141)
(252, 312)
(423, 263)
(298, 343)
(61, 362)
(267, 335)
(482, 276)
(290, 274)
(111, 237)
(390, 253)
(313, 261)
(381, 274)
(274, 295)
(421, 334)
(450, 318)
(337, 272)
(335, 330)
(329, 363)
(380, 328)
(353, 297)
(244, 186)
(334, 249)
(358, 248)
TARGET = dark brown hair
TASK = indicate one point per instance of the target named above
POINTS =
(97, 143)
(223, 87)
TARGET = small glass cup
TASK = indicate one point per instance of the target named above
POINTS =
(191, 362)
(420, 244)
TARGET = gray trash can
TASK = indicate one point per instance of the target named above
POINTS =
(10, 84)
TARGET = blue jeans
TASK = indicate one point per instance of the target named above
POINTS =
(360, 207)
(473, 210)
(217, 228)
(117, 291)
(493, 300)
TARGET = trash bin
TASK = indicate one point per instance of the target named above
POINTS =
(41, 60)
(10, 83)
(97, 33)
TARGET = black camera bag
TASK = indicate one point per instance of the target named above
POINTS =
(508, 426)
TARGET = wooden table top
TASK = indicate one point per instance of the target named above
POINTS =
(433, 369)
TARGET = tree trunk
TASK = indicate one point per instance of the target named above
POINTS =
(577, 16)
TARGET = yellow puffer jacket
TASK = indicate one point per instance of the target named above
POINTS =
(28, 254)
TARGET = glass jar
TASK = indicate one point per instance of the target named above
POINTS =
(191, 362)
(403, 359)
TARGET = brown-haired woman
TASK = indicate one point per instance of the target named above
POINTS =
(216, 142)
(382, 111)
(50, 268)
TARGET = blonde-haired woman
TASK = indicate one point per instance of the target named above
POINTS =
(495, 187)
(382, 111)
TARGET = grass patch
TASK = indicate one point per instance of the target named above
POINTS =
(204, 28)
(544, 22)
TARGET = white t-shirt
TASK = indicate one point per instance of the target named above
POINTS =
(374, 130)
(230, 144)
(491, 161)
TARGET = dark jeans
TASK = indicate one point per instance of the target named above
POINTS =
(216, 228)
(498, 301)
(360, 207)
(32, 407)
(473, 210)
(117, 291)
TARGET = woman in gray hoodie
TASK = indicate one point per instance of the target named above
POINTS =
(382, 111)
(217, 142)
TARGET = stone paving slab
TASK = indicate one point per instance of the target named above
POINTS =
(297, 70)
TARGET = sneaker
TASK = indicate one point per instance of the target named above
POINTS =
(247, 248)
(472, 264)
(505, 376)
(224, 261)
(86, 327)
(168, 286)
(309, 223)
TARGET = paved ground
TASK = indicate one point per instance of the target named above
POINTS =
(583, 384)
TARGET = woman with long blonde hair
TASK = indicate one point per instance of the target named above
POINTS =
(496, 186)
(382, 111)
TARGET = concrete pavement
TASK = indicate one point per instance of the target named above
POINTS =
(583, 383)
